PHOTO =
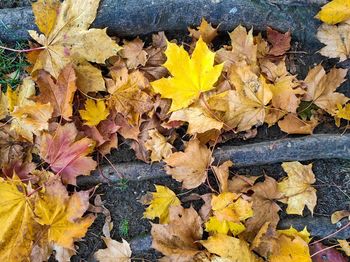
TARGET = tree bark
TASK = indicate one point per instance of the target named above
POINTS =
(140, 17)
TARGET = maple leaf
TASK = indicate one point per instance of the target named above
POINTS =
(243, 49)
(196, 115)
(228, 210)
(63, 214)
(290, 248)
(10, 146)
(161, 201)
(244, 107)
(321, 88)
(190, 167)
(204, 31)
(65, 155)
(178, 240)
(94, 113)
(280, 42)
(222, 173)
(115, 251)
(292, 124)
(292, 232)
(133, 53)
(31, 119)
(335, 12)
(190, 76)
(231, 248)
(264, 207)
(58, 93)
(158, 146)
(128, 95)
(336, 39)
(17, 218)
(342, 113)
(297, 188)
(66, 38)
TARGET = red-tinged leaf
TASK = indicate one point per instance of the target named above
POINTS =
(280, 42)
(66, 156)
(328, 255)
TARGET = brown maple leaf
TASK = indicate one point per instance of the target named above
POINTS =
(177, 240)
(280, 42)
(133, 53)
(58, 93)
(190, 167)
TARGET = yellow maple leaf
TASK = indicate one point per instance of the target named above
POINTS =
(230, 248)
(190, 75)
(228, 212)
(94, 113)
(342, 113)
(297, 188)
(290, 248)
(335, 12)
(61, 216)
(67, 38)
(292, 232)
(17, 219)
(190, 167)
(158, 145)
(161, 201)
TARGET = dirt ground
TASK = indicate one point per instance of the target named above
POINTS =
(14, 3)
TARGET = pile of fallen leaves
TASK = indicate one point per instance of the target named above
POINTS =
(84, 93)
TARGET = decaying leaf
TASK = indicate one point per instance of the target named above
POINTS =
(190, 167)
(344, 246)
(115, 251)
(58, 93)
(204, 30)
(133, 53)
(280, 42)
(196, 115)
(230, 248)
(94, 112)
(297, 188)
(178, 240)
(158, 146)
(67, 38)
(342, 113)
(292, 124)
(321, 88)
(222, 174)
(190, 75)
(66, 155)
(229, 209)
(160, 204)
(339, 215)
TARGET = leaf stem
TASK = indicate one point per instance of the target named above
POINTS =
(23, 50)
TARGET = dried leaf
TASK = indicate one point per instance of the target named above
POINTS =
(336, 39)
(133, 53)
(58, 93)
(190, 167)
(222, 173)
(297, 188)
(65, 155)
(292, 124)
(115, 251)
(280, 42)
(178, 240)
(158, 146)
(160, 204)
(339, 215)
(205, 30)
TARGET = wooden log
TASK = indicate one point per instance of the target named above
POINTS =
(321, 146)
(140, 17)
